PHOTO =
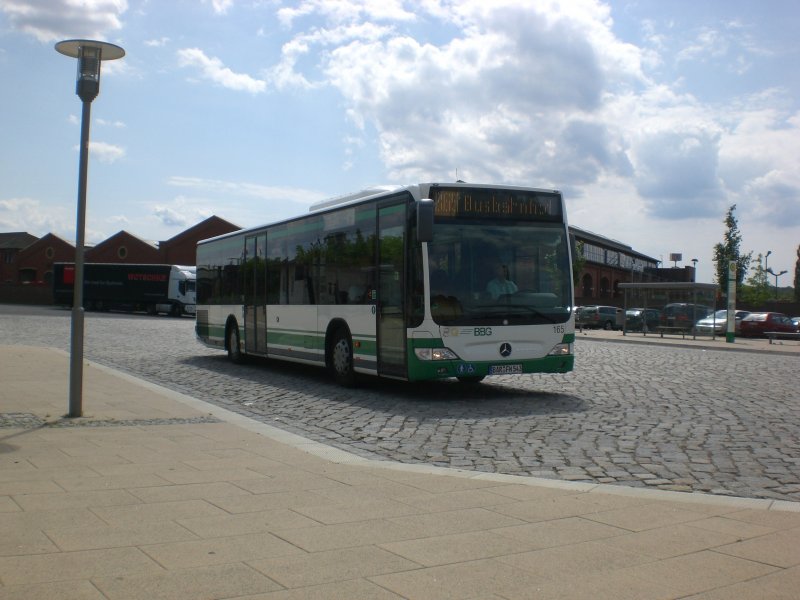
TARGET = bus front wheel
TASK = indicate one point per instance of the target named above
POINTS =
(234, 350)
(342, 359)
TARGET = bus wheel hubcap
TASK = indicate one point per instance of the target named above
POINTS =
(341, 356)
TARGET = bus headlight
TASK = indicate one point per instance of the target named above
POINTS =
(561, 350)
(435, 354)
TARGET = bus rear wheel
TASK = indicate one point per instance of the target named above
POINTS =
(234, 350)
(342, 359)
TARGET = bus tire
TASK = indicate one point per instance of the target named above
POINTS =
(232, 343)
(342, 358)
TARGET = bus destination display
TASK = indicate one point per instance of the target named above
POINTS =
(496, 204)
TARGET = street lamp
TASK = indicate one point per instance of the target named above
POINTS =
(766, 260)
(771, 272)
(694, 274)
(89, 54)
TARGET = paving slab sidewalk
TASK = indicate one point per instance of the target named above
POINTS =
(153, 494)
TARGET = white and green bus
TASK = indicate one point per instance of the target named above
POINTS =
(418, 282)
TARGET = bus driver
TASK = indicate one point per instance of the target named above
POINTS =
(501, 284)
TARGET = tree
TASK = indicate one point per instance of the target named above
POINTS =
(757, 290)
(730, 250)
(797, 277)
(578, 262)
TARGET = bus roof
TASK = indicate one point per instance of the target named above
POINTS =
(353, 196)
(365, 195)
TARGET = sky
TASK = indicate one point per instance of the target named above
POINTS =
(653, 117)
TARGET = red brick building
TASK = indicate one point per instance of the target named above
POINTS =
(182, 248)
(123, 247)
(26, 262)
(10, 246)
(34, 264)
(607, 263)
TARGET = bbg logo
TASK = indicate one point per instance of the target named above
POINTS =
(482, 331)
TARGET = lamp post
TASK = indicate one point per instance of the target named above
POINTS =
(776, 275)
(89, 54)
(766, 260)
(694, 273)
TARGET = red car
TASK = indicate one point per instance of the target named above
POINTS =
(758, 324)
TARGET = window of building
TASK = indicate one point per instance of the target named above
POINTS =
(586, 286)
(27, 275)
(605, 287)
(594, 253)
(122, 252)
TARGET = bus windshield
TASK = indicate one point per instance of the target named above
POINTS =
(509, 273)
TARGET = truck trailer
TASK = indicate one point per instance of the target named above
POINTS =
(113, 286)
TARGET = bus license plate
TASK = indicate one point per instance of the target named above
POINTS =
(505, 369)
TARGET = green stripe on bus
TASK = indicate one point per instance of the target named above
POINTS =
(365, 345)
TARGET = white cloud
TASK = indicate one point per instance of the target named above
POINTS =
(507, 99)
(114, 124)
(51, 20)
(677, 175)
(545, 93)
(245, 189)
(214, 70)
(709, 43)
(237, 202)
(347, 11)
(157, 43)
(105, 152)
(221, 6)
(28, 214)
(170, 217)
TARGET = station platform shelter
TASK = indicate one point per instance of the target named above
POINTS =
(679, 304)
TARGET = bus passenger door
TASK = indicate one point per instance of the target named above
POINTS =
(255, 297)
(391, 328)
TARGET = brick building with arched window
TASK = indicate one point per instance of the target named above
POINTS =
(607, 263)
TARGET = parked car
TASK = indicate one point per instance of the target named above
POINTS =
(683, 315)
(600, 317)
(718, 322)
(635, 318)
(758, 324)
(796, 321)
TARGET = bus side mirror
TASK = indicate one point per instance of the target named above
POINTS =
(425, 220)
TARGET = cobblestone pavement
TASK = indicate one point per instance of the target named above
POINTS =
(630, 414)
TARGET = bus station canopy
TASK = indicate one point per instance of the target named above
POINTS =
(659, 294)
(666, 286)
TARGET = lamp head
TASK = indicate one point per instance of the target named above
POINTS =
(89, 54)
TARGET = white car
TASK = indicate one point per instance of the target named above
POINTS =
(717, 322)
